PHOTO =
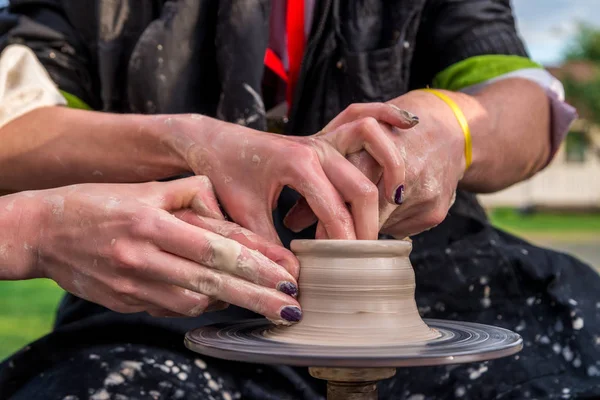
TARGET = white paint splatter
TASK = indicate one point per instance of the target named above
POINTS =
(484, 280)
(207, 376)
(163, 368)
(94, 357)
(530, 301)
(476, 373)
(213, 385)
(460, 391)
(593, 371)
(114, 379)
(258, 102)
(521, 326)
(417, 396)
(578, 323)
(567, 354)
(556, 348)
(182, 376)
(175, 369)
(577, 362)
(101, 394)
(179, 394)
(572, 302)
(545, 340)
(524, 252)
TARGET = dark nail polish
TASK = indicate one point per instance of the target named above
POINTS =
(407, 115)
(399, 195)
(288, 288)
(291, 313)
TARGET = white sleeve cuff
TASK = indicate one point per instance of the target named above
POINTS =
(24, 84)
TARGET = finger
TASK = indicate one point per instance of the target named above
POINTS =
(196, 193)
(383, 112)
(368, 134)
(177, 271)
(258, 219)
(356, 190)
(321, 234)
(276, 253)
(309, 179)
(173, 299)
(218, 252)
(367, 165)
(418, 219)
(299, 217)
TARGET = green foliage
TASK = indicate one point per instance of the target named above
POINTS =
(585, 45)
(27, 311)
(584, 95)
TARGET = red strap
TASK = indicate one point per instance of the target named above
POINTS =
(295, 48)
(275, 64)
(295, 42)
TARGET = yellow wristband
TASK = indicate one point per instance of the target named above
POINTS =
(462, 121)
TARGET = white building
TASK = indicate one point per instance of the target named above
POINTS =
(571, 181)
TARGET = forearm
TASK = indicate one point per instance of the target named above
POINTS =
(510, 129)
(57, 146)
(20, 217)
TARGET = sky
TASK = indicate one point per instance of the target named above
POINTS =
(546, 26)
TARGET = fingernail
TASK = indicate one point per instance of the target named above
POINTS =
(288, 288)
(407, 115)
(291, 313)
(399, 195)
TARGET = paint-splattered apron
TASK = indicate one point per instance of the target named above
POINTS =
(465, 270)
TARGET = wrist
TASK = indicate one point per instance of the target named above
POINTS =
(462, 116)
(169, 143)
(22, 221)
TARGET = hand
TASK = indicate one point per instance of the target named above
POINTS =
(249, 169)
(433, 156)
(120, 246)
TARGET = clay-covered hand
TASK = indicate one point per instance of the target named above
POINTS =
(433, 160)
(249, 168)
(124, 247)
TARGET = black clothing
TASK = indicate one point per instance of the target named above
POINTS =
(154, 56)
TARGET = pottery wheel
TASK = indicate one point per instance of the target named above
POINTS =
(459, 342)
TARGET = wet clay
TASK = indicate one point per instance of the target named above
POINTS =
(355, 293)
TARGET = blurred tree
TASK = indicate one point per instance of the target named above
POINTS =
(585, 45)
(581, 72)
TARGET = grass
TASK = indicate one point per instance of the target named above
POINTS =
(576, 225)
(26, 312)
(27, 308)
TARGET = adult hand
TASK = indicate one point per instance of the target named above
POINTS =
(249, 169)
(121, 246)
(433, 159)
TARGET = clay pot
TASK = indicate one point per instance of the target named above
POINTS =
(357, 293)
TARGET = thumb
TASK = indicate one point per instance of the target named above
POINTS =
(195, 193)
